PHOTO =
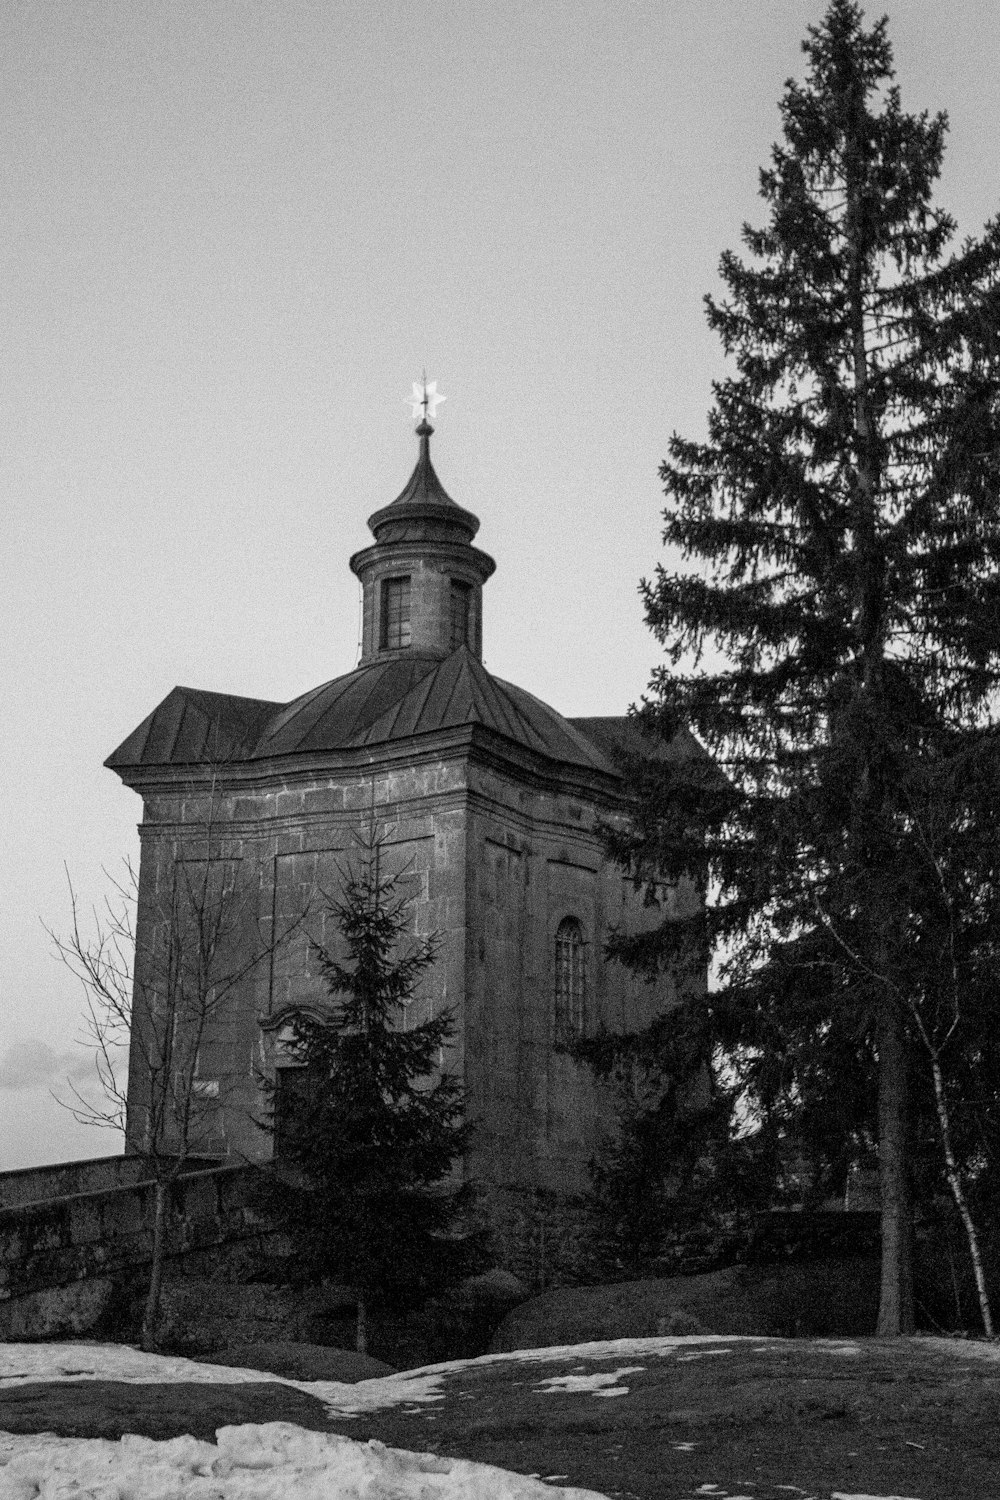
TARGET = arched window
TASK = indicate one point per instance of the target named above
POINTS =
(570, 988)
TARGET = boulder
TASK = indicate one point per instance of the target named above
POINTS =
(496, 1288)
(303, 1361)
(835, 1298)
(56, 1312)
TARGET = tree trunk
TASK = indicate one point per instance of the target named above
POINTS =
(361, 1334)
(961, 1203)
(895, 1311)
(151, 1312)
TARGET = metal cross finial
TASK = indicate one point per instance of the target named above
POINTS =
(425, 399)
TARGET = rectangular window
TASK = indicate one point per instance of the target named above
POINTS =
(461, 601)
(395, 622)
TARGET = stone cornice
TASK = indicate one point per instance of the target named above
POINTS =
(470, 742)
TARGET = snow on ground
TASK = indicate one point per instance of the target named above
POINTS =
(25, 1362)
(20, 1363)
(268, 1461)
(604, 1384)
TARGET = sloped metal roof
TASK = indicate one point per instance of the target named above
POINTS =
(623, 737)
(194, 727)
(423, 486)
(384, 703)
(332, 715)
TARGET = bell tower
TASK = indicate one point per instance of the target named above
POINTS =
(422, 579)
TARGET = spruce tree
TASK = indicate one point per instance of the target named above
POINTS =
(671, 1189)
(838, 534)
(372, 1141)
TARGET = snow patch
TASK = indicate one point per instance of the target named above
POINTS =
(21, 1363)
(589, 1382)
(964, 1348)
(268, 1461)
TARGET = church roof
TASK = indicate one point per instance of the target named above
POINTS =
(386, 702)
(623, 738)
(193, 727)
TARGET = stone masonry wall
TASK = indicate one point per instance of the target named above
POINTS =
(290, 841)
(35, 1184)
(59, 1260)
(535, 858)
(495, 855)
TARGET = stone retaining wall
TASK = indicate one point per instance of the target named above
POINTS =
(93, 1175)
(60, 1258)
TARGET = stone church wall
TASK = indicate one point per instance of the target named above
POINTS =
(288, 845)
(495, 855)
(535, 858)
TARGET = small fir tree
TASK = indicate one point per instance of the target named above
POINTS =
(841, 523)
(374, 1137)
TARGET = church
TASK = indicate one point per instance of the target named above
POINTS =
(488, 803)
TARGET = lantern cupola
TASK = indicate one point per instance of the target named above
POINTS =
(422, 579)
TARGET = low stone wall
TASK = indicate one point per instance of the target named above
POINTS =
(93, 1175)
(60, 1259)
(545, 1239)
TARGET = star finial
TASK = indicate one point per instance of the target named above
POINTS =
(425, 399)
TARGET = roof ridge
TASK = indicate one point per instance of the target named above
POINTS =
(478, 694)
(375, 674)
(458, 676)
(511, 710)
(211, 693)
(575, 736)
(419, 693)
(383, 724)
(296, 706)
(497, 714)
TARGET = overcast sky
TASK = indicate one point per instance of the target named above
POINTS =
(233, 234)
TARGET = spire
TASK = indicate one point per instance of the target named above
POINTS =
(424, 499)
(423, 485)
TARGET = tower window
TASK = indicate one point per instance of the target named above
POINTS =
(459, 611)
(394, 628)
(570, 987)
